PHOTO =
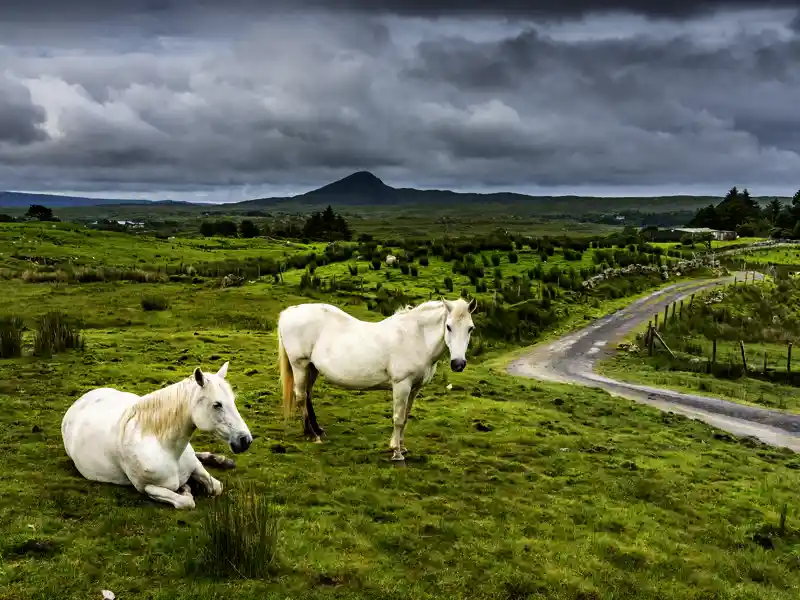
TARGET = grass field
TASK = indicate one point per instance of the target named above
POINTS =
(513, 489)
(776, 256)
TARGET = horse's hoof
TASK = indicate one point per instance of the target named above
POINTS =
(397, 456)
(317, 440)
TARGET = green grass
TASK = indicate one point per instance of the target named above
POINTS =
(776, 256)
(70, 244)
(513, 489)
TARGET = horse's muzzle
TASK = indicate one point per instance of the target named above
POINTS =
(458, 364)
(241, 444)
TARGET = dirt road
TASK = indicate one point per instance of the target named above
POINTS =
(572, 358)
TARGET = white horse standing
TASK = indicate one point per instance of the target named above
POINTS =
(397, 353)
(119, 437)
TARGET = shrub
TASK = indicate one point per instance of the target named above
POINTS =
(239, 536)
(423, 261)
(11, 337)
(414, 271)
(55, 334)
(496, 260)
(150, 303)
(448, 283)
(513, 257)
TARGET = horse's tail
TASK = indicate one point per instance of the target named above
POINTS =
(215, 460)
(287, 378)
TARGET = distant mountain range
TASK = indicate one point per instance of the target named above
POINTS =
(360, 188)
(25, 199)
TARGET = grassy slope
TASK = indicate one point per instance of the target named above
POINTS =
(569, 494)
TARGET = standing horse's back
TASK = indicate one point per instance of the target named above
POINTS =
(300, 326)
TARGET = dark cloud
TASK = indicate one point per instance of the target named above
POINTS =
(294, 100)
(20, 119)
(36, 10)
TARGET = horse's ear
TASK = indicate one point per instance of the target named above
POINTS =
(223, 370)
(473, 305)
(447, 304)
(198, 377)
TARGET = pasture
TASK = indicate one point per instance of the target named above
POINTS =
(512, 489)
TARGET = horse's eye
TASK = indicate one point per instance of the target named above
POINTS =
(217, 405)
(448, 328)
(470, 328)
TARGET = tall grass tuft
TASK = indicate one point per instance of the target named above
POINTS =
(55, 334)
(11, 336)
(152, 303)
(239, 536)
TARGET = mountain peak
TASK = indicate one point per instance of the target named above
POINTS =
(360, 183)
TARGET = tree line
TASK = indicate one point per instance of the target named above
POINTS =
(739, 212)
(322, 226)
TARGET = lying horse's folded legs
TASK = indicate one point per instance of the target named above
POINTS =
(162, 494)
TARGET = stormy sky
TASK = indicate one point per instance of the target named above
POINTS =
(220, 101)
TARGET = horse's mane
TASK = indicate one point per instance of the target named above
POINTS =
(163, 411)
(428, 304)
(460, 308)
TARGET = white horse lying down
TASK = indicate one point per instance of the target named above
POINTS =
(397, 353)
(119, 437)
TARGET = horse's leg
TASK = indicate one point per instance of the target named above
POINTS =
(201, 475)
(311, 418)
(400, 393)
(411, 397)
(162, 494)
(301, 376)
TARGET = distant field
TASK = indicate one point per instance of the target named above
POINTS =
(70, 243)
(777, 256)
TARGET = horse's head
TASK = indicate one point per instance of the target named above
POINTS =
(215, 410)
(457, 330)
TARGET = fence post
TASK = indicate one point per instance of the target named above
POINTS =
(655, 324)
(789, 359)
(666, 314)
(691, 301)
(680, 311)
(765, 361)
(714, 352)
(673, 310)
(744, 358)
(650, 339)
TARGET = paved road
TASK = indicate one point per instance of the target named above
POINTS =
(572, 358)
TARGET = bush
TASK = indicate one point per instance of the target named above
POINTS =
(513, 257)
(448, 283)
(11, 337)
(55, 334)
(414, 271)
(150, 303)
(496, 260)
(423, 261)
(239, 536)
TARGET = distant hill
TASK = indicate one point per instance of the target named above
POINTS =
(25, 199)
(364, 188)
